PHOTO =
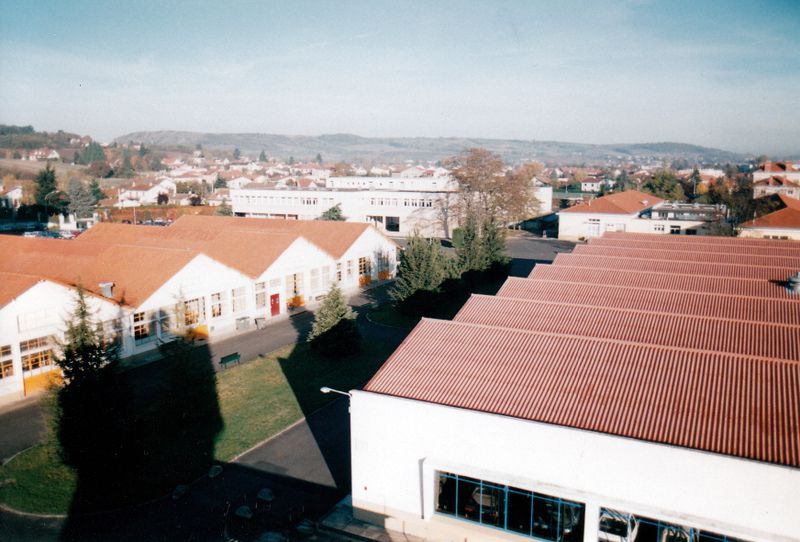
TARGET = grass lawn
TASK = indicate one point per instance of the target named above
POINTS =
(257, 399)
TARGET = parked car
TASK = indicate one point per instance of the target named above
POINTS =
(617, 527)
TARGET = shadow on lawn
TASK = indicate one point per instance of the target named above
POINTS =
(147, 435)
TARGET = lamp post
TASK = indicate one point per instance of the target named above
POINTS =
(46, 206)
(326, 389)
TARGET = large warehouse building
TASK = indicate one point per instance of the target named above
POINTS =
(642, 388)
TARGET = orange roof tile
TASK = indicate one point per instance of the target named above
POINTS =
(13, 285)
(622, 203)
(700, 256)
(786, 218)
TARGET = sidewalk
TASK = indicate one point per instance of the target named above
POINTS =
(340, 521)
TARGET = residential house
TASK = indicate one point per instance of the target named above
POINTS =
(781, 224)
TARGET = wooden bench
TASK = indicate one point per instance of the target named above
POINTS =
(224, 361)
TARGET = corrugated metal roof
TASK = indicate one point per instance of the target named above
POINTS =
(660, 253)
(741, 406)
(646, 327)
(682, 268)
(708, 246)
(746, 309)
(664, 281)
(701, 239)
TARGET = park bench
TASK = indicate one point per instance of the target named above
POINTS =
(224, 361)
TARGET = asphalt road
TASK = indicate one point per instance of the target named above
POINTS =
(21, 426)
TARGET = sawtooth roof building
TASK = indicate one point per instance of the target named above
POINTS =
(643, 388)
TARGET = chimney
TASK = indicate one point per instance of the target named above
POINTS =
(106, 288)
(793, 284)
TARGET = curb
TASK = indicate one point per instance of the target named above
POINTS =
(374, 323)
(14, 511)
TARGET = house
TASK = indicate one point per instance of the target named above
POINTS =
(11, 198)
(781, 224)
(635, 211)
(591, 185)
(146, 192)
(776, 184)
(598, 390)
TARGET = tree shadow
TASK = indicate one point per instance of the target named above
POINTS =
(150, 430)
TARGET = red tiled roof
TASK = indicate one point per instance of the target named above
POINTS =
(786, 218)
(639, 326)
(249, 252)
(664, 281)
(735, 405)
(656, 239)
(13, 285)
(137, 272)
(711, 245)
(333, 237)
(664, 253)
(680, 268)
(624, 203)
(625, 297)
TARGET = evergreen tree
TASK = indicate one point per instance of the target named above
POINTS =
(493, 243)
(155, 163)
(81, 200)
(334, 213)
(220, 182)
(469, 250)
(334, 331)
(127, 168)
(45, 184)
(237, 153)
(262, 157)
(92, 153)
(143, 150)
(318, 159)
(423, 267)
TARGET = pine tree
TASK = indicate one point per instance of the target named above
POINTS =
(96, 191)
(469, 248)
(423, 267)
(81, 200)
(262, 157)
(334, 213)
(334, 330)
(493, 243)
(237, 153)
(45, 184)
(318, 159)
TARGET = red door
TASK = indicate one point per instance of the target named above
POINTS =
(275, 304)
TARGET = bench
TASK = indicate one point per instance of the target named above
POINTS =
(224, 361)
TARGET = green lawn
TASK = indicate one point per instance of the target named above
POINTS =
(256, 400)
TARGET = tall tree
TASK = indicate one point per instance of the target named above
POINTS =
(423, 267)
(81, 200)
(262, 157)
(467, 241)
(237, 153)
(318, 159)
(493, 243)
(665, 185)
(45, 184)
(219, 182)
(126, 170)
(334, 330)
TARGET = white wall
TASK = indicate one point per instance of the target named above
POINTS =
(576, 226)
(398, 444)
(41, 311)
(770, 233)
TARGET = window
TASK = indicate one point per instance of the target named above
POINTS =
(349, 269)
(216, 305)
(314, 280)
(37, 360)
(364, 267)
(658, 228)
(141, 326)
(238, 299)
(675, 230)
(393, 223)
(326, 277)
(509, 508)
(6, 363)
(294, 285)
(195, 311)
(261, 295)
(615, 524)
(338, 271)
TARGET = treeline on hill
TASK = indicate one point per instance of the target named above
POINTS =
(25, 137)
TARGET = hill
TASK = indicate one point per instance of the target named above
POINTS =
(392, 149)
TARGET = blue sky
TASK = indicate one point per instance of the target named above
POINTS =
(723, 74)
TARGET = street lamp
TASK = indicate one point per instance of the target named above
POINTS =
(326, 389)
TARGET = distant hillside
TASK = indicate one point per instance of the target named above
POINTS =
(352, 147)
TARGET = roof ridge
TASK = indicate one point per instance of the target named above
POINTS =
(621, 342)
(673, 260)
(710, 294)
(660, 273)
(639, 311)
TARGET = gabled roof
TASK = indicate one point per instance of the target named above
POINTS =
(249, 252)
(708, 244)
(13, 285)
(137, 272)
(688, 240)
(334, 237)
(620, 203)
(715, 402)
(786, 218)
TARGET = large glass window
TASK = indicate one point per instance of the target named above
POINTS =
(141, 326)
(195, 311)
(616, 525)
(261, 295)
(216, 305)
(509, 508)
(238, 296)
